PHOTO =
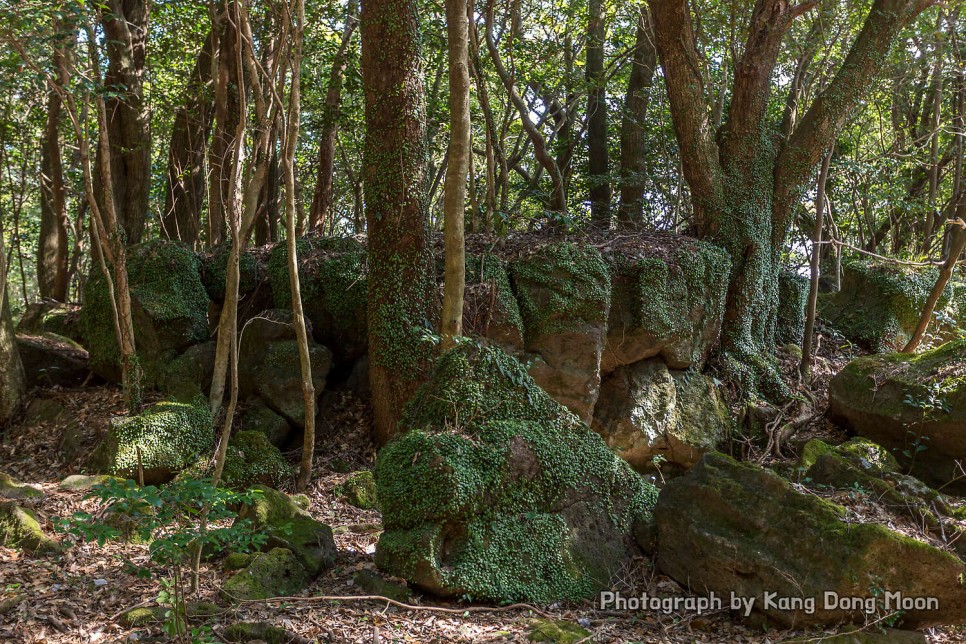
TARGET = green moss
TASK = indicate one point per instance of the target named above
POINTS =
(251, 459)
(165, 439)
(488, 461)
(812, 451)
(214, 272)
(11, 489)
(20, 528)
(237, 560)
(170, 309)
(359, 490)
(490, 269)
(561, 286)
(276, 573)
(142, 616)
(792, 301)
(558, 631)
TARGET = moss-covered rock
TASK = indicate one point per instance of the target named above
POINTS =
(51, 360)
(11, 489)
(497, 492)
(880, 304)
(258, 417)
(333, 280)
(735, 527)
(557, 631)
(165, 438)
(359, 490)
(374, 584)
(563, 290)
(237, 560)
(48, 316)
(276, 573)
(792, 301)
(169, 305)
(651, 416)
(913, 405)
(20, 528)
(269, 365)
(214, 272)
(189, 375)
(84, 482)
(289, 526)
(252, 459)
(490, 309)
(669, 303)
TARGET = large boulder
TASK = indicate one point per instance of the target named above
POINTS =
(563, 290)
(20, 528)
(914, 405)
(163, 440)
(52, 360)
(498, 493)
(269, 365)
(48, 316)
(667, 301)
(291, 527)
(276, 573)
(169, 306)
(214, 272)
(333, 281)
(189, 375)
(879, 304)
(729, 527)
(651, 415)
(490, 308)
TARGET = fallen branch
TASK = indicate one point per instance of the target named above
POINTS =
(399, 604)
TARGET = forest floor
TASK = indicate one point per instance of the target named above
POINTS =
(80, 595)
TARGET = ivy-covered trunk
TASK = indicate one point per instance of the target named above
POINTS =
(396, 212)
(746, 176)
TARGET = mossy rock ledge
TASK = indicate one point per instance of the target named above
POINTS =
(20, 528)
(913, 405)
(736, 527)
(497, 493)
(276, 573)
(646, 411)
(169, 306)
(164, 439)
(879, 304)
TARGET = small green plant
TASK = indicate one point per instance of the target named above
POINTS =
(168, 519)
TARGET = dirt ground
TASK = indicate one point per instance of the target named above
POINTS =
(80, 595)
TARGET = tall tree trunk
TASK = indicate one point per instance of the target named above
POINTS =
(52, 247)
(956, 246)
(633, 150)
(13, 385)
(185, 188)
(227, 118)
(394, 176)
(454, 196)
(322, 199)
(125, 24)
(598, 162)
(805, 367)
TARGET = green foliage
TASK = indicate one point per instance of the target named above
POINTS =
(214, 272)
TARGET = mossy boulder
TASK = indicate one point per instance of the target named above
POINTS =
(736, 527)
(258, 417)
(167, 437)
(359, 490)
(792, 302)
(48, 316)
(563, 290)
(374, 584)
(333, 280)
(11, 489)
(668, 301)
(490, 308)
(496, 492)
(51, 360)
(20, 528)
(169, 306)
(189, 375)
(647, 412)
(85, 482)
(214, 272)
(879, 304)
(913, 405)
(250, 460)
(269, 366)
(276, 573)
(557, 631)
(289, 526)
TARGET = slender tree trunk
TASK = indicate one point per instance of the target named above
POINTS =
(228, 115)
(597, 153)
(805, 368)
(394, 176)
(13, 384)
(454, 197)
(52, 247)
(956, 246)
(633, 151)
(125, 24)
(322, 199)
(185, 187)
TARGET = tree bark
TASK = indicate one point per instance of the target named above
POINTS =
(631, 211)
(322, 199)
(454, 195)
(185, 187)
(805, 367)
(956, 246)
(598, 162)
(13, 384)
(228, 115)
(125, 24)
(394, 177)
